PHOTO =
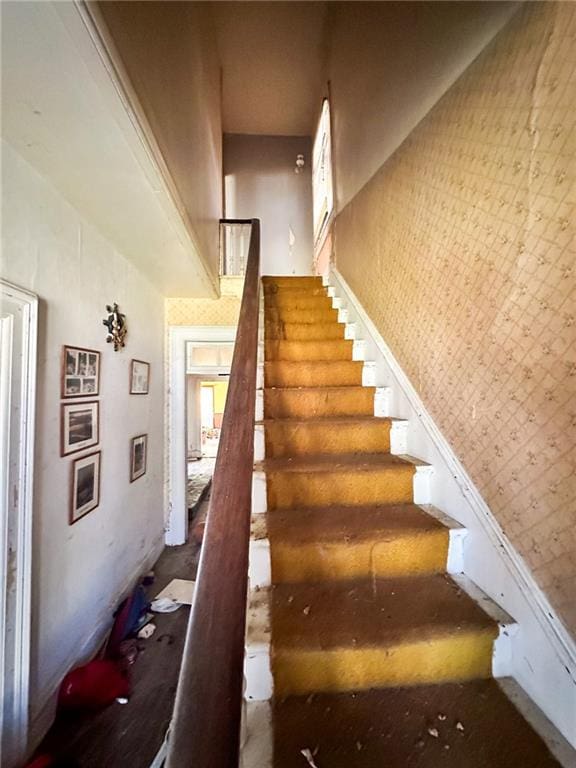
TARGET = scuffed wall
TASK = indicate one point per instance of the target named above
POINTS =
(169, 51)
(460, 249)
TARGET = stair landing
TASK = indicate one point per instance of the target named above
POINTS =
(455, 725)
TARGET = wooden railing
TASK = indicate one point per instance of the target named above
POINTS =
(205, 729)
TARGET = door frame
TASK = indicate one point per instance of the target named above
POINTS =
(176, 443)
(16, 737)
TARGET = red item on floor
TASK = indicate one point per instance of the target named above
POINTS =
(93, 686)
(42, 761)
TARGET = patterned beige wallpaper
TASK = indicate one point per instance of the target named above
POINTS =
(222, 311)
(461, 249)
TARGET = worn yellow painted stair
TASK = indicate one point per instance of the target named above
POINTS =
(360, 599)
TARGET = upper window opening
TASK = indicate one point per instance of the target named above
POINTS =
(322, 190)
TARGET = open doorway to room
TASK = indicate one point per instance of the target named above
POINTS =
(212, 402)
(207, 370)
(196, 354)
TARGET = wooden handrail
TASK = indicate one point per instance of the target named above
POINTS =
(205, 729)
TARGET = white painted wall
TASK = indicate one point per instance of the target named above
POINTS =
(81, 571)
(71, 114)
(170, 53)
(259, 182)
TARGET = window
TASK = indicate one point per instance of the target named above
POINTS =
(213, 358)
(322, 191)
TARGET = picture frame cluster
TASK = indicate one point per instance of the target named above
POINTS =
(80, 425)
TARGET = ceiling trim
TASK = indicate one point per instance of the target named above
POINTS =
(105, 47)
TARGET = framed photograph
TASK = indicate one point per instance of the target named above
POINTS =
(79, 426)
(80, 372)
(85, 491)
(139, 377)
(138, 456)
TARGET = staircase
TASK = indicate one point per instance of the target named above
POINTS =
(378, 657)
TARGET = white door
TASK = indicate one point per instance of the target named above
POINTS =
(18, 331)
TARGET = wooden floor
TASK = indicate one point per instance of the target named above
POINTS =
(131, 734)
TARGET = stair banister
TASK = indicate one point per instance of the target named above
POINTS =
(205, 729)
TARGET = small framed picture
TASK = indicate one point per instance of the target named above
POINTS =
(80, 372)
(139, 377)
(138, 456)
(85, 491)
(79, 426)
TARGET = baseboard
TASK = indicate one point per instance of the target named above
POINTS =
(45, 708)
(543, 652)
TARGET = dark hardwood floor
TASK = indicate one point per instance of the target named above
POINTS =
(131, 734)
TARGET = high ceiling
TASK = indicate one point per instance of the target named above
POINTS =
(272, 59)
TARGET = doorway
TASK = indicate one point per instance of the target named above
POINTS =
(212, 401)
(18, 341)
(205, 401)
(200, 360)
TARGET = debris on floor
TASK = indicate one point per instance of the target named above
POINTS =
(93, 686)
(308, 755)
(179, 591)
(146, 631)
(199, 480)
(115, 736)
(164, 605)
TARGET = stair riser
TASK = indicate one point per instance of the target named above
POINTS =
(293, 300)
(285, 283)
(407, 555)
(317, 489)
(295, 292)
(458, 656)
(297, 404)
(302, 438)
(304, 331)
(273, 315)
(296, 351)
(290, 374)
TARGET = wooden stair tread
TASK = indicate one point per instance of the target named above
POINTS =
(290, 374)
(372, 612)
(328, 389)
(291, 279)
(338, 420)
(315, 363)
(389, 728)
(349, 524)
(330, 462)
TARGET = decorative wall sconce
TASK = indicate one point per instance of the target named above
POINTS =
(299, 164)
(116, 324)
